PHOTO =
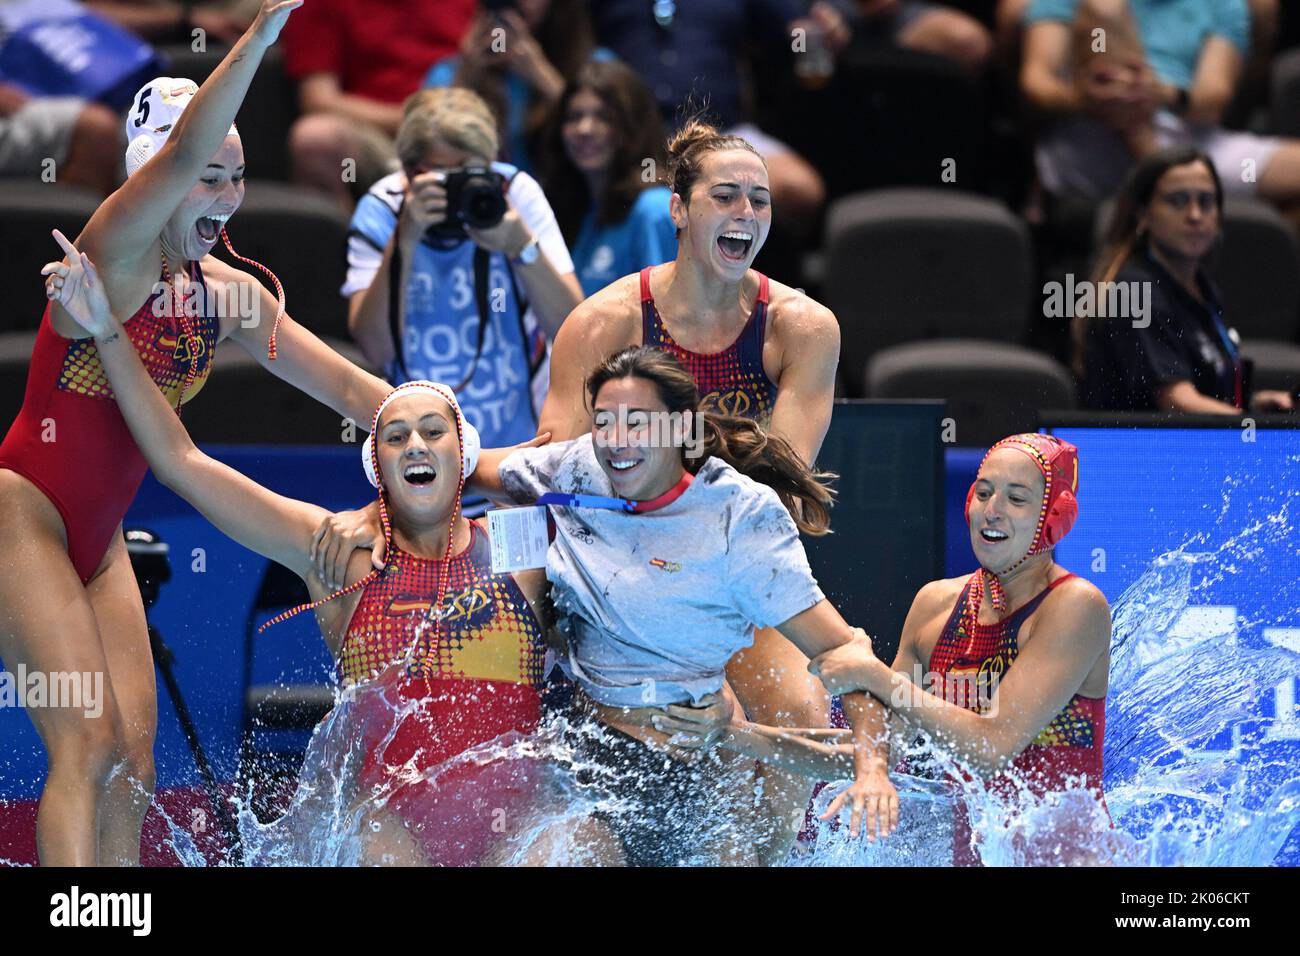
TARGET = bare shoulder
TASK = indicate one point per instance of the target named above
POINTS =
(938, 596)
(215, 270)
(793, 310)
(1081, 597)
(605, 321)
(615, 307)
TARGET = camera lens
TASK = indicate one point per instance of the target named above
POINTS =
(482, 204)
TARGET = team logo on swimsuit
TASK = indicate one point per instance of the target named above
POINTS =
(184, 348)
(471, 607)
(672, 567)
(731, 402)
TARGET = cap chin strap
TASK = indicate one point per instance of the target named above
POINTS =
(272, 351)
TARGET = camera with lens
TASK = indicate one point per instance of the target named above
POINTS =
(475, 197)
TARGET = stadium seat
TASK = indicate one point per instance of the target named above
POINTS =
(1277, 364)
(242, 402)
(993, 389)
(269, 109)
(29, 210)
(1256, 266)
(15, 356)
(302, 237)
(910, 264)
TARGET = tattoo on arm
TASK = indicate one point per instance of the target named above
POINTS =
(111, 337)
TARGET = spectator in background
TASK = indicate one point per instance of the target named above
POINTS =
(697, 49)
(518, 58)
(356, 63)
(1180, 355)
(164, 20)
(83, 139)
(477, 309)
(1264, 19)
(602, 152)
(1168, 72)
(927, 28)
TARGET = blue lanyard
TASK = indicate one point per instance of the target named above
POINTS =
(618, 504)
(586, 501)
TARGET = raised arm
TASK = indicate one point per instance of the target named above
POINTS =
(277, 527)
(125, 227)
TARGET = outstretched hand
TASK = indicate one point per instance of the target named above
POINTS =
(271, 19)
(872, 800)
(75, 285)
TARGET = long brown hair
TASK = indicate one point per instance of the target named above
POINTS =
(638, 136)
(740, 442)
(1122, 238)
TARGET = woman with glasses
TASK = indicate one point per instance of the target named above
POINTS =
(1177, 352)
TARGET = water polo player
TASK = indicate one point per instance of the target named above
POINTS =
(1006, 669)
(472, 676)
(68, 599)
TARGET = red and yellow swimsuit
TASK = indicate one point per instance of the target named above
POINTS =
(482, 677)
(70, 439)
(964, 669)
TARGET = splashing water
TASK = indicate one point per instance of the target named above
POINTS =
(1197, 773)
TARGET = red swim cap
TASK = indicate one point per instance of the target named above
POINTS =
(1059, 462)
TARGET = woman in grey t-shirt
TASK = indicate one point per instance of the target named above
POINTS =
(676, 535)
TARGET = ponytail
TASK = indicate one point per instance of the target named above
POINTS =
(769, 460)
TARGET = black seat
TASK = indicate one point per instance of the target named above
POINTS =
(993, 389)
(243, 403)
(302, 237)
(910, 264)
(29, 211)
(15, 357)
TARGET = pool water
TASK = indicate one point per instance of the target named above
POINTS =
(1198, 771)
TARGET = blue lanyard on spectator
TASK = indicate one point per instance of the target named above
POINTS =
(1238, 371)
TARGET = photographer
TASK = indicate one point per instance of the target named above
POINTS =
(485, 278)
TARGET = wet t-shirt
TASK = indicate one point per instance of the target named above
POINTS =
(653, 606)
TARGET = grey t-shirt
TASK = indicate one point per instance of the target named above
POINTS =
(654, 605)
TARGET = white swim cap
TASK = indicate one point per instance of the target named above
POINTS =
(469, 439)
(154, 111)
